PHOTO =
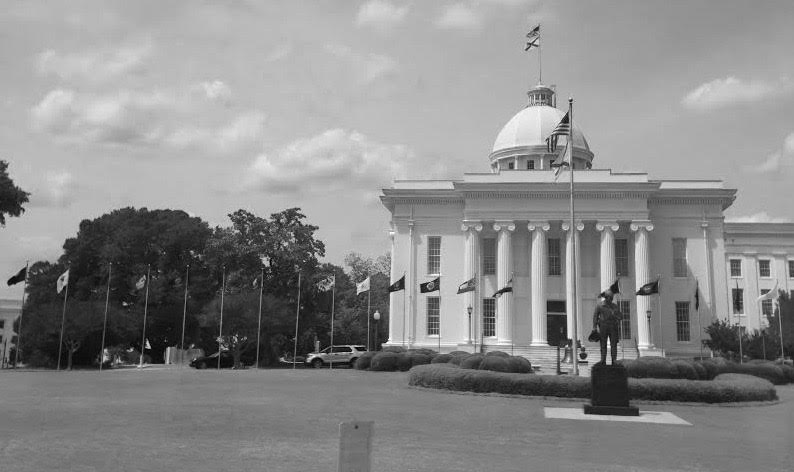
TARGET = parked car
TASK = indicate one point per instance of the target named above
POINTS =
(335, 355)
(211, 361)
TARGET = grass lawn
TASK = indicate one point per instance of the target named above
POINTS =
(172, 419)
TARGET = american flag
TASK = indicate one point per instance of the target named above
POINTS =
(562, 129)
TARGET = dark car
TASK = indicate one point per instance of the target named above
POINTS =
(211, 361)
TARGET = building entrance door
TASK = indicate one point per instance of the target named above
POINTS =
(556, 323)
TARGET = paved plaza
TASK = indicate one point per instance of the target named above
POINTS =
(171, 419)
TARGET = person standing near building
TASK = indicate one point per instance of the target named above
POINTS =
(606, 321)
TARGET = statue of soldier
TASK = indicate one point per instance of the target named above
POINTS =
(606, 321)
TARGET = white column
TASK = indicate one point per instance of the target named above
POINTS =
(642, 274)
(470, 264)
(504, 271)
(538, 276)
(609, 271)
(411, 282)
(393, 309)
(572, 238)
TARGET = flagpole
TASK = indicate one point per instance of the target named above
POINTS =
(573, 241)
(21, 312)
(145, 312)
(439, 313)
(404, 290)
(297, 317)
(105, 324)
(333, 302)
(780, 323)
(184, 316)
(220, 327)
(63, 320)
(259, 322)
(700, 325)
(659, 303)
(540, 56)
(368, 308)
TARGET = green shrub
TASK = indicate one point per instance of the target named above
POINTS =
(385, 361)
(788, 371)
(712, 368)
(685, 370)
(458, 358)
(363, 362)
(459, 353)
(427, 352)
(766, 370)
(472, 362)
(404, 362)
(495, 363)
(701, 371)
(396, 349)
(723, 389)
(650, 367)
(419, 359)
(497, 354)
(519, 365)
(441, 359)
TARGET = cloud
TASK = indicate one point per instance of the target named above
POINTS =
(380, 15)
(367, 67)
(760, 217)
(721, 93)
(95, 66)
(216, 90)
(334, 160)
(57, 190)
(245, 128)
(461, 17)
(770, 164)
(40, 247)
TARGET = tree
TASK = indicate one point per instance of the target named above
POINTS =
(11, 197)
(783, 314)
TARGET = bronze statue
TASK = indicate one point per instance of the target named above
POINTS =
(606, 321)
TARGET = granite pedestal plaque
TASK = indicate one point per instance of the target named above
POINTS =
(610, 385)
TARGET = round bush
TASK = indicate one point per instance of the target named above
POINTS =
(363, 362)
(404, 362)
(427, 352)
(497, 354)
(519, 365)
(712, 369)
(457, 359)
(472, 362)
(685, 370)
(420, 359)
(651, 367)
(767, 370)
(459, 353)
(495, 363)
(397, 349)
(788, 371)
(441, 359)
(385, 361)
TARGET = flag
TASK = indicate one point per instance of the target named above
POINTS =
(63, 281)
(327, 283)
(141, 282)
(737, 299)
(21, 275)
(649, 289)
(507, 288)
(770, 295)
(362, 286)
(533, 38)
(147, 345)
(255, 283)
(397, 286)
(697, 295)
(432, 286)
(563, 128)
(125, 304)
(468, 286)
(613, 289)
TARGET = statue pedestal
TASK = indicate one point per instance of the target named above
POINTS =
(610, 385)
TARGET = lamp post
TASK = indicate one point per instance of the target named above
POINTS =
(376, 317)
(650, 338)
(469, 310)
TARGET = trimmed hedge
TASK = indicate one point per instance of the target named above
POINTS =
(397, 349)
(497, 354)
(707, 369)
(441, 359)
(363, 362)
(519, 365)
(495, 363)
(457, 359)
(386, 361)
(472, 362)
(725, 388)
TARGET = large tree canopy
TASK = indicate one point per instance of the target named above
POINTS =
(11, 197)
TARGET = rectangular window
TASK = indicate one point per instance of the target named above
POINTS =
(736, 267)
(625, 322)
(766, 305)
(791, 269)
(434, 255)
(530, 165)
(2, 324)
(622, 256)
(433, 315)
(488, 256)
(682, 321)
(679, 257)
(555, 267)
(488, 317)
(511, 165)
(764, 269)
(738, 301)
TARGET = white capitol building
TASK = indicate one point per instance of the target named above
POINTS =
(513, 223)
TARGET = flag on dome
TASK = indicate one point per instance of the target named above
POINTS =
(19, 277)
(468, 286)
(327, 283)
(649, 289)
(533, 38)
(62, 282)
(362, 286)
(397, 286)
(432, 286)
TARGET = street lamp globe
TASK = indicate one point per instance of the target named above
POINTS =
(469, 309)
(376, 315)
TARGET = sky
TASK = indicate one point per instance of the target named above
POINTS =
(210, 107)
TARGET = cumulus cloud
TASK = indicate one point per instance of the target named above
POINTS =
(760, 217)
(461, 17)
(721, 93)
(381, 15)
(776, 160)
(367, 67)
(95, 66)
(245, 128)
(216, 90)
(57, 190)
(334, 160)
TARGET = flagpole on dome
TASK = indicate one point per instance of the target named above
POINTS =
(184, 317)
(65, 281)
(259, 316)
(145, 313)
(105, 323)
(21, 312)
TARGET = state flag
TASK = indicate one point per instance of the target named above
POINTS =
(533, 38)
(468, 286)
(147, 345)
(141, 282)
(62, 282)
(770, 295)
(327, 283)
(398, 285)
(697, 295)
(649, 289)
(432, 286)
(506, 289)
(19, 277)
(613, 289)
(362, 286)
